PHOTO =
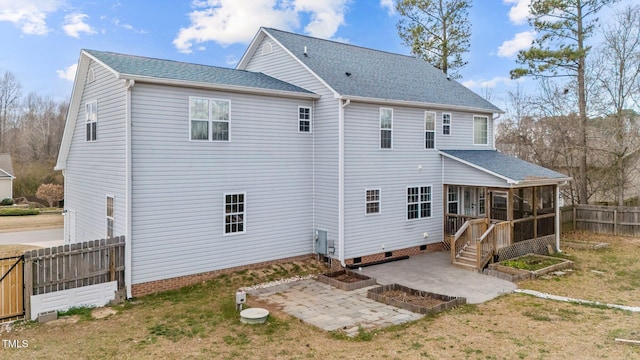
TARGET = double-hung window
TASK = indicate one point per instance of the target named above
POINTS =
(480, 130)
(386, 128)
(429, 130)
(446, 124)
(418, 202)
(234, 211)
(304, 119)
(372, 201)
(452, 200)
(91, 120)
(209, 119)
(110, 216)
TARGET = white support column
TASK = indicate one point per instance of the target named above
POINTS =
(558, 220)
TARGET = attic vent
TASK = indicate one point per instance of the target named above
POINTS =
(267, 48)
(91, 76)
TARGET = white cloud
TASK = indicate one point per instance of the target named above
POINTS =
(519, 42)
(519, 12)
(232, 21)
(491, 83)
(388, 4)
(74, 25)
(231, 60)
(69, 73)
(126, 26)
(29, 15)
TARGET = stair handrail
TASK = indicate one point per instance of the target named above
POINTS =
(454, 241)
(485, 247)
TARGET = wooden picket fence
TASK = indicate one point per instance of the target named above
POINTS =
(11, 288)
(615, 220)
(72, 266)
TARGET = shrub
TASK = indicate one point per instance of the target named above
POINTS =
(7, 201)
(50, 192)
(18, 211)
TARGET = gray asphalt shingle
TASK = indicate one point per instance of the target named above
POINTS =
(175, 70)
(505, 165)
(6, 165)
(378, 74)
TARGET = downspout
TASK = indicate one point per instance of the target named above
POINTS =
(127, 245)
(313, 178)
(342, 105)
(557, 204)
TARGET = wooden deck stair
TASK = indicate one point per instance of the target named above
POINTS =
(466, 258)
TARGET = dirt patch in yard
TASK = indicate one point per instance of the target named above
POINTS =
(15, 250)
(200, 322)
(415, 299)
(31, 222)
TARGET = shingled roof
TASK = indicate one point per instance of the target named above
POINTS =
(145, 67)
(361, 72)
(508, 167)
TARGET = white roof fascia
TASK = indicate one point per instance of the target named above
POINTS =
(72, 113)
(254, 44)
(223, 87)
(420, 104)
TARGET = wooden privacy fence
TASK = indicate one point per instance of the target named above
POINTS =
(616, 220)
(72, 266)
(11, 288)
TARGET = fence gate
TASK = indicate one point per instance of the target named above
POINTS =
(11, 288)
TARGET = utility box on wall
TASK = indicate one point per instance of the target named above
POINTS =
(321, 242)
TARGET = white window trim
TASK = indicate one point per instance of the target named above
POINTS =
(368, 202)
(435, 130)
(224, 213)
(420, 202)
(86, 120)
(450, 123)
(107, 217)
(310, 119)
(210, 136)
(380, 129)
(474, 130)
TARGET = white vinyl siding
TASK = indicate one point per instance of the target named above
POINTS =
(446, 124)
(234, 213)
(304, 119)
(91, 120)
(95, 169)
(429, 130)
(386, 128)
(209, 119)
(372, 201)
(266, 159)
(283, 66)
(367, 167)
(480, 130)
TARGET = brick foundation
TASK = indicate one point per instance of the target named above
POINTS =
(182, 281)
(415, 250)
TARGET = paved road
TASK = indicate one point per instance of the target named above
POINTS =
(49, 237)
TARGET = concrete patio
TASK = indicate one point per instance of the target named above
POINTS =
(330, 308)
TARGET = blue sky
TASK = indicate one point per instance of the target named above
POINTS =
(41, 39)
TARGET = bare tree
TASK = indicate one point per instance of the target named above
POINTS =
(9, 95)
(618, 80)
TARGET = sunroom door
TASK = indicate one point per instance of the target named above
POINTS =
(473, 200)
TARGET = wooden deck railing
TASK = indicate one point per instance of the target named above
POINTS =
(496, 236)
